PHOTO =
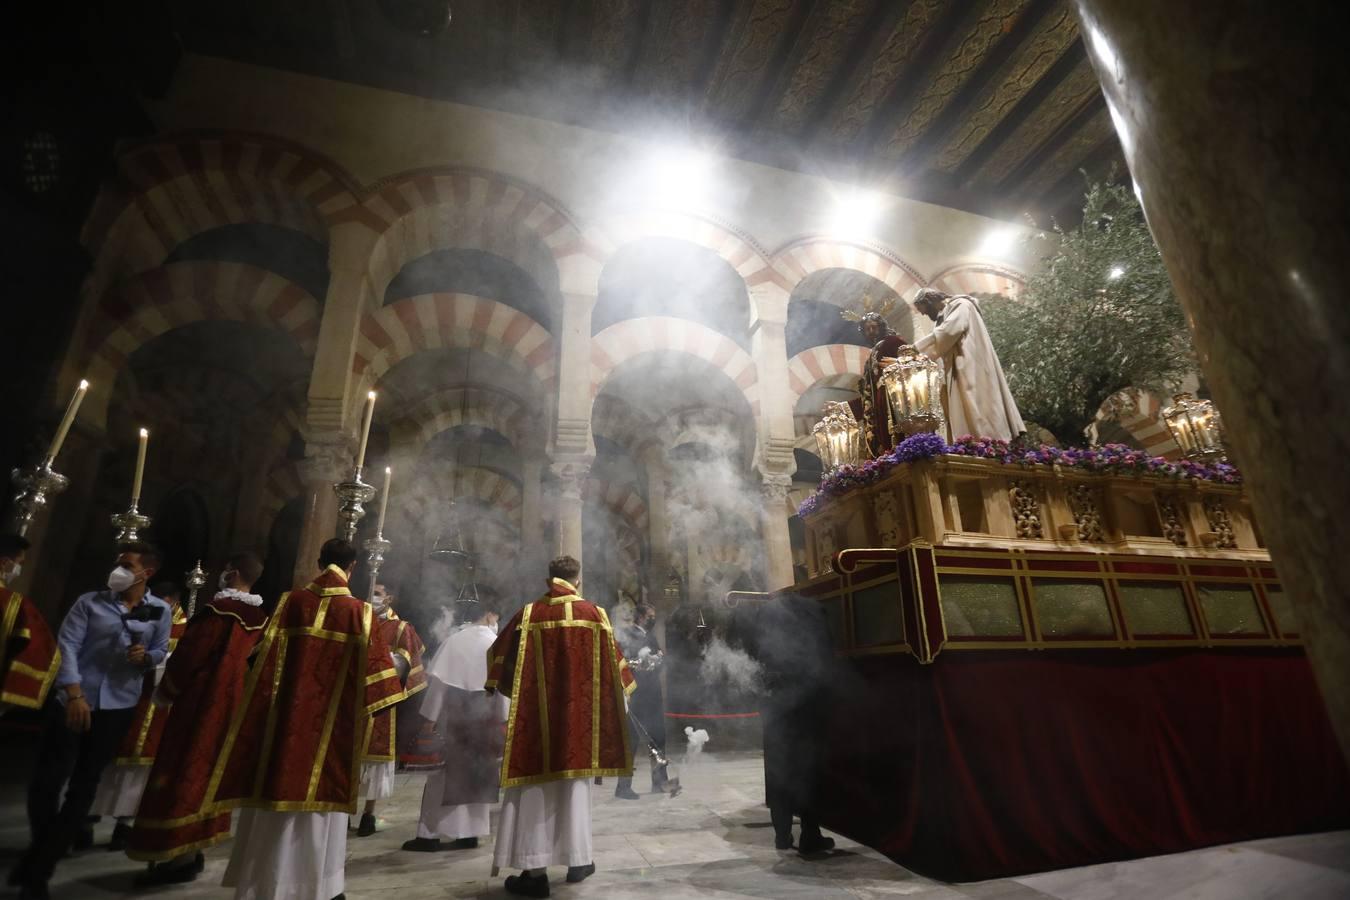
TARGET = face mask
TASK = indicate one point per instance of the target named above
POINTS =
(120, 578)
(225, 580)
(14, 572)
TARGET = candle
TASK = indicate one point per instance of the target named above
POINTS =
(365, 431)
(384, 502)
(66, 422)
(140, 467)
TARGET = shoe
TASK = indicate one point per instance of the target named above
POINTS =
(423, 845)
(814, 845)
(580, 873)
(367, 827)
(84, 839)
(782, 843)
(121, 834)
(163, 873)
(464, 844)
(626, 792)
(526, 886)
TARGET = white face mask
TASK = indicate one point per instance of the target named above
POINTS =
(14, 572)
(121, 578)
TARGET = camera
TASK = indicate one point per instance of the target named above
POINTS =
(144, 612)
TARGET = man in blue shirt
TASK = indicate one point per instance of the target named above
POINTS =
(109, 640)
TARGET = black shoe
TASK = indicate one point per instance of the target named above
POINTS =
(782, 843)
(163, 873)
(810, 846)
(626, 792)
(367, 826)
(464, 844)
(121, 834)
(526, 886)
(423, 845)
(84, 839)
(580, 873)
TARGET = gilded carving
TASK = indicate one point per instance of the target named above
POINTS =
(961, 61)
(887, 519)
(1026, 508)
(904, 41)
(1016, 77)
(1172, 526)
(1078, 87)
(1084, 503)
(1216, 513)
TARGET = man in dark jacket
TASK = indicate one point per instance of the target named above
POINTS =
(647, 705)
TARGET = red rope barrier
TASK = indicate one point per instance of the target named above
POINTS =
(751, 715)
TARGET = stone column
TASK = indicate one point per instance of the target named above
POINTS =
(571, 480)
(658, 529)
(326, 462)
(774, 531)
(532, 547)
(1232, 118)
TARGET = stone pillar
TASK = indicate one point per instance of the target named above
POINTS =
(326, 462)
(1232, 118)
(348, 298)
(532, 547)
(774, 531)
(571, 480)
(658, 529)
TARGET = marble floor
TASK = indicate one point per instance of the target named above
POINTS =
(714, 841)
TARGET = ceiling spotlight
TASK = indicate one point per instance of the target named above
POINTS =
(856, 213)
(999, 242)
(1116, 272)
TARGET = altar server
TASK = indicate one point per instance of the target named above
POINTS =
(291, 757)
(377, 759)
(975, 394)
(29, 658)
(568, 682)
(458, 797)
(203, 681)
(123, 783)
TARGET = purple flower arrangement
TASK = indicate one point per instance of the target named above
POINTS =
(1108, 459)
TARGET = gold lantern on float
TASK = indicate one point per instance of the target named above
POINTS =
(1196, 427)
(913, 386)
(838, 437)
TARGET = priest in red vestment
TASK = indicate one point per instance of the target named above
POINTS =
(568, 682)
(123, 783)
(377, 760)
(203, 681)
(292, 755)
(29, 658)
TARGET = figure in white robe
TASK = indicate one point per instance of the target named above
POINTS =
(458, 798)
(976, 399)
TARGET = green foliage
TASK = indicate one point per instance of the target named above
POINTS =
(1099, 316)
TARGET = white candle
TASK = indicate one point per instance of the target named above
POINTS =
(365, 430)
(71, 409)
(140, 467)
(384, 501)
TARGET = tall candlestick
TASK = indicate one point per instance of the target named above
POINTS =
(140, 468)
(71, 409)
(365, 431)
(384, 501)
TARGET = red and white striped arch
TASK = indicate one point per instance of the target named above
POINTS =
(395, 332)
(738, 250)
(178, 294)
(842, 362)
(633, 338)
(416, 213)
(283, 485)
(1139, 412)
(175, 187)
(622, 500)
(485, 486)
(979, 278)
(448, 409)
(813, 254)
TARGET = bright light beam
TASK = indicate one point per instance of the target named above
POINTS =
(999, 242)
(679, 178)
(1116, 272)
(856, 213)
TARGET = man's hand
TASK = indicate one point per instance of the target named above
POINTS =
(77, 715)
(136, 655)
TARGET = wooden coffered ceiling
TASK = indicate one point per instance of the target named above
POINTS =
(984, 105)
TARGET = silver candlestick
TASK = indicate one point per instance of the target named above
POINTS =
(130, 523)
(34, 486)
(352, 497)
(195, 581)
(376, 548)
